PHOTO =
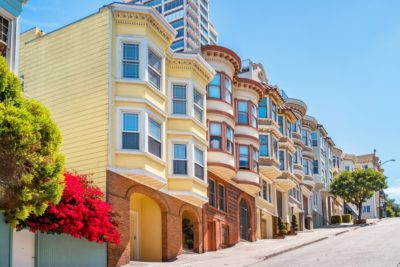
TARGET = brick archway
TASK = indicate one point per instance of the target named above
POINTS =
(250, 202)
(191, 213)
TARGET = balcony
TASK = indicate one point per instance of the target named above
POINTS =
(248, 181)
(269, 167)
(221, 164)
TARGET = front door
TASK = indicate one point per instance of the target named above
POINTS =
(23, 249)
(244, 221)
(211, 236)
(135, 235)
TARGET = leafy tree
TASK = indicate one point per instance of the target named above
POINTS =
(358, 186)
(80, 213)
(391, 203)
(31, 165)
(390, 213)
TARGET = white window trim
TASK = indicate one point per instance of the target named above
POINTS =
(144, 46)
(144, 115)
(204, 161)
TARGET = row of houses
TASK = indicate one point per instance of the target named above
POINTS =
(195, 150)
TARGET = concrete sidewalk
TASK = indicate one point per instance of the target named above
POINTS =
(247, 253)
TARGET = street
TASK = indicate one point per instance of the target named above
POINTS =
(376, 245)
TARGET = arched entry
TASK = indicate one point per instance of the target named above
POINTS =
(244, 221)
(187, 231)
(191, 229)
(145, 228)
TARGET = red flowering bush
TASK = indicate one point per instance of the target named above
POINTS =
(80, 213)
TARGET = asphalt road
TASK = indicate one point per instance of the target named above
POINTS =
(372, 246)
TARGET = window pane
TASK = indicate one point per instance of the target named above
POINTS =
(214, 91)
(229, 133)
(282, 160)
(242, 106)
(179, 92)
(155, 78)
(199, 171)
(242, 118)
(215, 129)
(179, 107)
(198, 99)
(243, 156)
(131, 52)
(130, 140)
(131, 70)
(264, 151)
(211, 192)
(180, 167)
(221, 193)
(280, 123)
(154, 61)
(131, 122)
(216, 80)
(199, 156)
(180, 151)
(154, 147)
(228, 84)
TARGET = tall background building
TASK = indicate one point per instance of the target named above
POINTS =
(190, 18)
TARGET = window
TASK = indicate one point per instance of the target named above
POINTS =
(281, 160)
(198, 106)
(243, 157)
(130, 131)
(4, 36)
(130, 61)
(298, 156)
(228, 90)
(177, 23)
(289, 129)
(264, 190)
(255, 160)
(179, 33)
(367, 209)
(314, 138)
(347, 168)
(275, 148)
(214, 89)
(229, 139)
(172, 5)
(177, 45)
(264, 145)
(365, 166)
(315, 167)
(180, 159)
(221, 197)
(253, 116)
(211, 192)
(154, 138)
(243, 112)
(273, 112)
(306, 167)
(290, 162)
(280, 123)
(221, 88)
(304, 137)
(263, 108)
(215, 135)
(198, 163)
(179, 99)
(155, 69)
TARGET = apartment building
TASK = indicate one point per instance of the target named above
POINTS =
(191, 20)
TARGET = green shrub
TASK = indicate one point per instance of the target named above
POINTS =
(336, 219)
(294, 224)
(282, 227)
(346, 218)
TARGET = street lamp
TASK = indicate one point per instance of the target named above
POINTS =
(390, 160)
(381, 200)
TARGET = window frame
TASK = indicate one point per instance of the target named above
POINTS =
(250, 115)
(267, 145)
(136, 132)
(185, 160)
(262, 107)
(153, 69)
(222, 88)
(283, 160)
(160, 141)
(212, 195)
(195, 162)
(130, 61)
(223, 198)
(180, 99)
(197, 107)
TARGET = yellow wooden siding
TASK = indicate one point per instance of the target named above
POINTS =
(68, 71)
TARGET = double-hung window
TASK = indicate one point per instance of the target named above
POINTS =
(154, 69)
(281, 160)
(154, 138)
(130, 131)
(130, 61)
(304, 137)
(214, 88)
(198, 163)
(179, 99)
(244, 157)
(198, 106)
(255, 160)
(215, 135)
(264, 190)
(228, 90)
(221, 197)
(263, 108)
(180, 159)
(229, 139)
(243, 109)
(315, 167)
(280, 123)
(289, 129)
(264, 145)
(306, 167)
(211, 193)
(274, 113)
(290, 162)
(275, 148)
(253, 116)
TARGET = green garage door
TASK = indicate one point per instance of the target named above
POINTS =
(66, 251)
(5, 233)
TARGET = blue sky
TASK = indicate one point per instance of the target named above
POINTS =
(341, 57)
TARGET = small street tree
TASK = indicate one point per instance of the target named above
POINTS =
(358, 186)
(31, 165)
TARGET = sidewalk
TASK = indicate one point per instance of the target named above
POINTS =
(247, 253)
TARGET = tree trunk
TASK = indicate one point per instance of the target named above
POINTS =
(359, 211)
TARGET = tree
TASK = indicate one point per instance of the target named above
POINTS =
(31, 165)
(393, 206)
(390, 213)
(358, 186)
(80, 213)
(294, 224)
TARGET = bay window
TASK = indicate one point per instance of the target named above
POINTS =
(154, 138)
(264, 145)
(214, 88)
(263, 108)
(198, 105)
(154, 69)
(221, 88)
(179, 99)
(215, 135)
(130, 61)
(130, 131)
(198, 163)
(180, 159)
(244, 162)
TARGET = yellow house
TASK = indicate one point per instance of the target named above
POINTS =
(132, 114)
